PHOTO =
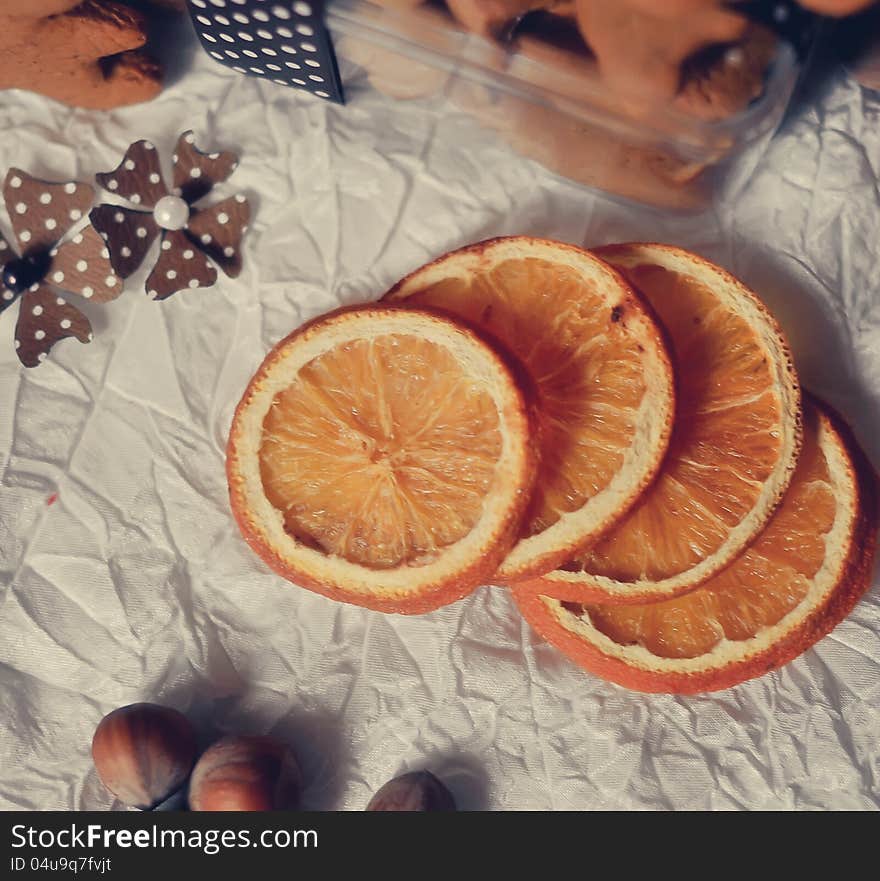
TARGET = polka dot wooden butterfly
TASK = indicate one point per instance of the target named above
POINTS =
(189, 235)
(41, 213)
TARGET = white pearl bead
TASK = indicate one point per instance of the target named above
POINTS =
(171, 212)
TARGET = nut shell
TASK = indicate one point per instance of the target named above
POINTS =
(246, 773)
(143, 753)
(415, 791)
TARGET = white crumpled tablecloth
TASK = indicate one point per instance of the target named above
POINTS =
(135, 583)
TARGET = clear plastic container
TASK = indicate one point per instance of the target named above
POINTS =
(550, 105)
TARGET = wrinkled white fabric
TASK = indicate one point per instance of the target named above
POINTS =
(135, 585)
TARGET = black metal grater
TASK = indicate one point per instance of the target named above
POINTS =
(282, 41)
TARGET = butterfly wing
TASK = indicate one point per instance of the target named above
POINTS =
(180, 265)
(138, 177)
(218, 230)
(82, 265)
(195, 173)
(128, 234)
(43, 320)
(40, 211)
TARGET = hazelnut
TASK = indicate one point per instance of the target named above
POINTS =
(246, 774)
(415, 791)
(143, 753)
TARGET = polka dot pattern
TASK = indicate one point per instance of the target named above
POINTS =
(174, 272)
(7, 297)
(45, 217)
(43, 320)
(130, 234)
(138, 177)
(84, 264)
(183, 258)
(41, 211)
(267, 29)
(195, 172)
(219, 229)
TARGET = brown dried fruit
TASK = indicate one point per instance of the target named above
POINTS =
(86, 54)
(415, 791)
(498, 18)
(640, 45)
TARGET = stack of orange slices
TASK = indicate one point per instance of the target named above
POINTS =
(619, 436)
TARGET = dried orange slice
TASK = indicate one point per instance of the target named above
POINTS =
(601, 369)
(382, 457)
(795, 583)
(734, 444)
